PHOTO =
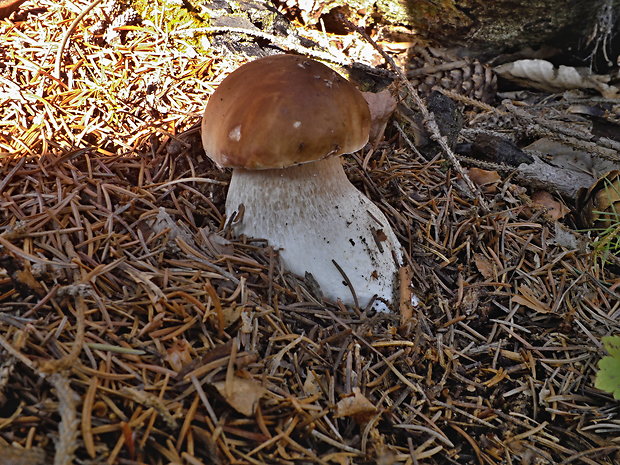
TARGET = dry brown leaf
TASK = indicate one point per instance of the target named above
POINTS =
(382, 105)
(526, 297)
(339, 458)
(243, 395)
(217, 244)
(25, 277)
(484, 266)
(231, 314)
(356, 406)
(554, 208)
(470, 303)
(154, 293)
(600, 204)
(163, 221)
(487, 180)
(179, 354)
(21, 273)
(311, 384)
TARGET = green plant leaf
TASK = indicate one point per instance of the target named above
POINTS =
(608, 376)
(612, 345)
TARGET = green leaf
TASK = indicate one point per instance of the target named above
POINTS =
(608, 376)
(612, 345)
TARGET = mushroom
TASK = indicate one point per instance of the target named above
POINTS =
(280, 122)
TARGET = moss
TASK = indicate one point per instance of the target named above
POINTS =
(173, 15)
(419, 13)
(249, 13)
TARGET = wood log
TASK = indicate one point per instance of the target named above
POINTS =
(541, 175)
(482, 26)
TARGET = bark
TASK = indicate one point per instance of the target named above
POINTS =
(488, 27)
(540, 175)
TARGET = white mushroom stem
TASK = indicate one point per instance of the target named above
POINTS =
(315, 217)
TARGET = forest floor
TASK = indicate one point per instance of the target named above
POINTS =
(135, 330)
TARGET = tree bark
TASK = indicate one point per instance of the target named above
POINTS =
(487, 27)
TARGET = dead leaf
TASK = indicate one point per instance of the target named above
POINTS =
(156, 296)
(20, 272)
(217, 244)
(380, 235)
(382, 105)
(311, 384)
(484, 266)
(471, 301)
(356, 406)
(179, 354)
(554, 209)
(564, 237)
(231, 314)
(339, 458)
(243, 395)
(25, 277)
(217, 353)
(527, 298)
(599, 206)
(163, 221)
(487, 180)
(20, 339)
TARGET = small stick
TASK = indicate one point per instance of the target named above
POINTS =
(65, 38)
(603, 147)
(69, 423)
(349, 285)
(406, 309)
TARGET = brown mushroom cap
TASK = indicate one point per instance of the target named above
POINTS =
(283, 110)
